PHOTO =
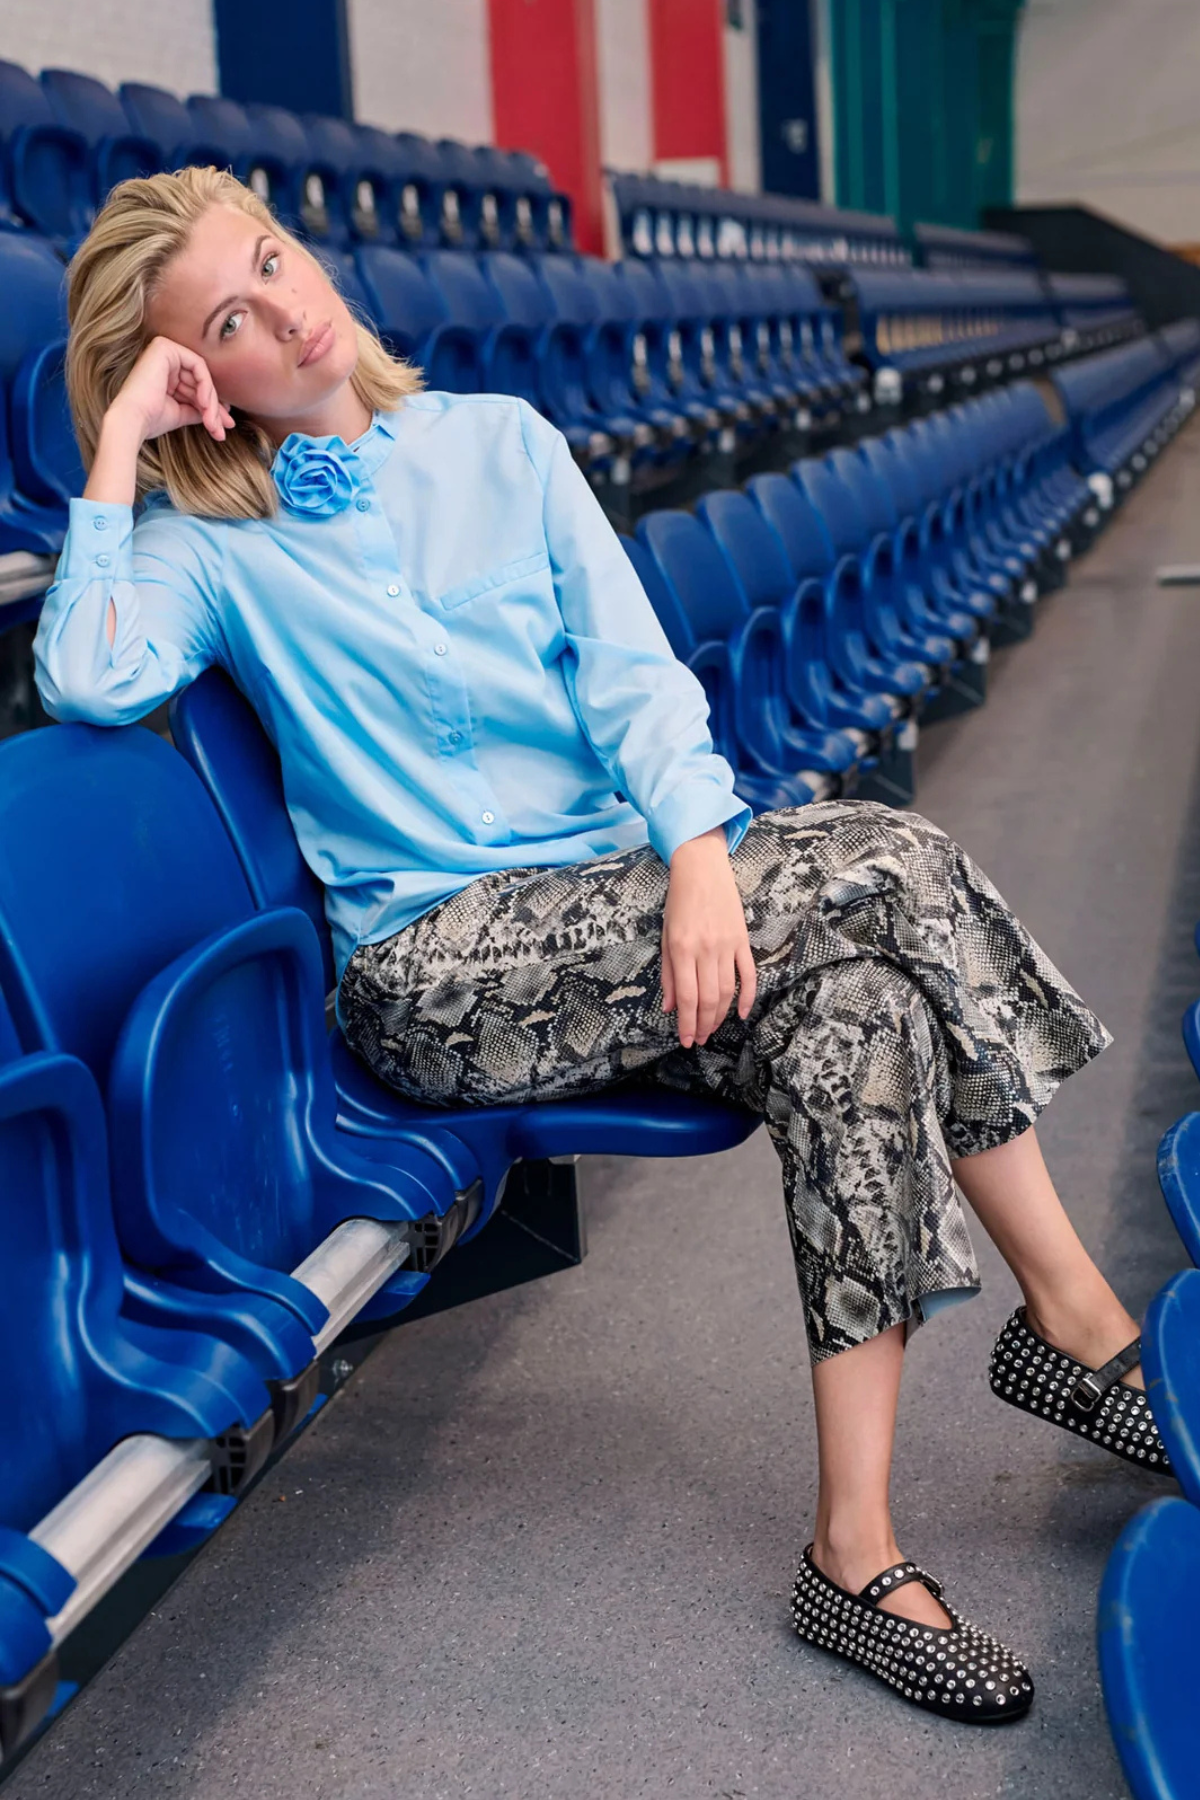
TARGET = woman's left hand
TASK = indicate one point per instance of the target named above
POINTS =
(705, 944)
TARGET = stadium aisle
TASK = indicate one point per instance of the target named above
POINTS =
(541, 1547)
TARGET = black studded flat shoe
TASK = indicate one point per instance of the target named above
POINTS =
(957, 1671)
(1094, 1403)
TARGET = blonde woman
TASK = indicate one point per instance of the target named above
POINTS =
(539, 878)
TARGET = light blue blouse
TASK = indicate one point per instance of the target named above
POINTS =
(443, 638)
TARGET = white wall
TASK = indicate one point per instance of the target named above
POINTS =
(1108, 111)
(626, 102)
(422, 65)
(742, 148)
(168, 42)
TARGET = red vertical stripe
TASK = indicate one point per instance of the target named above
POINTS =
(544, 97)
(687, 54)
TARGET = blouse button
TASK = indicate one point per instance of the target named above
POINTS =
(100, 524)
(393, 590)
(439, 649)
(363, 505)
(103, 561)
(489, 818)
(456, 737)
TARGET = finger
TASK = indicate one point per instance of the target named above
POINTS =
(747, 978)
(668, 982)
(728, 974)
(709, 987)
(685, 999)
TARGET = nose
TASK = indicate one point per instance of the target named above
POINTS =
(291, 318)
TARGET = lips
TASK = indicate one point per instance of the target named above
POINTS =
(316, 345)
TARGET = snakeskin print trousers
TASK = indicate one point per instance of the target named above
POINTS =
(903, 1017)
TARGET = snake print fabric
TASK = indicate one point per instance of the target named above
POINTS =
(904, 1016)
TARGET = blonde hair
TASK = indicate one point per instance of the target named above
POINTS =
(143, 224)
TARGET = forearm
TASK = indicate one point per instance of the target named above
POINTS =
(113, 477)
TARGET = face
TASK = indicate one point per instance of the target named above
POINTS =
(278, 340)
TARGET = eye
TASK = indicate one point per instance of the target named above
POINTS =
(224, 335)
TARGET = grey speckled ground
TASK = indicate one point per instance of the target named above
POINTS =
(541, 1547)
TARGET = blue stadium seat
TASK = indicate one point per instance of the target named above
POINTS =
(414, 320)
(115, 151)
(161, 117)
(204, 1022)
(46, 166)
(1179, 1179)
(90, 1395)
(39, 460)
(1149, 1655)
(658, 368)
(615, 362)
(567, 390)
(419, 172)
(508, 353)
(899, 630)
(810, 553)
(758, 561)
(556, 347)
(771, 742)
(1171, 1364)
(353, 179)
(697, 382)
(219, 734)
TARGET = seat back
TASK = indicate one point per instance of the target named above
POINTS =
(1171, 1341)
(113, 861)
(1149, 1651)
(403, 299)
(831, 498)
(804, 538)
(753, 551)
(218, 732)
(693, 566)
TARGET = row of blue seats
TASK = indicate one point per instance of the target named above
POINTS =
(1149, 1665)
(1121, 402)
(657, 217)
(201, 1190)
(66, 139)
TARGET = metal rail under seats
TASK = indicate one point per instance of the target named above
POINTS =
(116, 1436)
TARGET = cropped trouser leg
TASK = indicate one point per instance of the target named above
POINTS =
(903, 1017)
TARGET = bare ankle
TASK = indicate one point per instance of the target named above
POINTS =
(850, 1556)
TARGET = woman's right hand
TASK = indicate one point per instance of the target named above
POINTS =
(169, 386)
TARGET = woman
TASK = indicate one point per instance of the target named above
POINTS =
(539, 878)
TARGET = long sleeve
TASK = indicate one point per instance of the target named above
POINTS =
(644, 712)
(160, 577)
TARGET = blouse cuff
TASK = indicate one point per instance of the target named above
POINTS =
(99, 543)
(694, 809)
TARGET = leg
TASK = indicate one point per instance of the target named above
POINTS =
(1067, 1299)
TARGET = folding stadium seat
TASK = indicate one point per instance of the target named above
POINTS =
(729, 371)
(507, 353)
(115, 150)
(493, 178)
(755, 554)
(420, 175)
(938, 631)
(204, 1023)
(414, 320)
(657, 360)
(356, 172)
(755, 557)
(710, 661)
(219, 735)
(549, 210)
(615, 360)
(463, 196)
(771, 741)
(697, 379)
(39, 461)
(566, 364)
(155, 114)
(1149, 1656)
(46, 166)
(900, 625)
(115, 1436)
(755, 308)
(557, 346)
(1171, 1364)
(1179, 1175)
(810, 553)
(896, 628)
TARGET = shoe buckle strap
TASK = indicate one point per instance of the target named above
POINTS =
(1093, 1384)
(888, 1580)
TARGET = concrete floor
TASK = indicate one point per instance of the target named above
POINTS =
(541, 1547)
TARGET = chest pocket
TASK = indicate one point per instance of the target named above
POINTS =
(487, 583)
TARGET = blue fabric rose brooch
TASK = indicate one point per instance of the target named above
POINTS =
(311, 476)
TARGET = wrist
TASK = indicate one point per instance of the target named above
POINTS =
(708, 843)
